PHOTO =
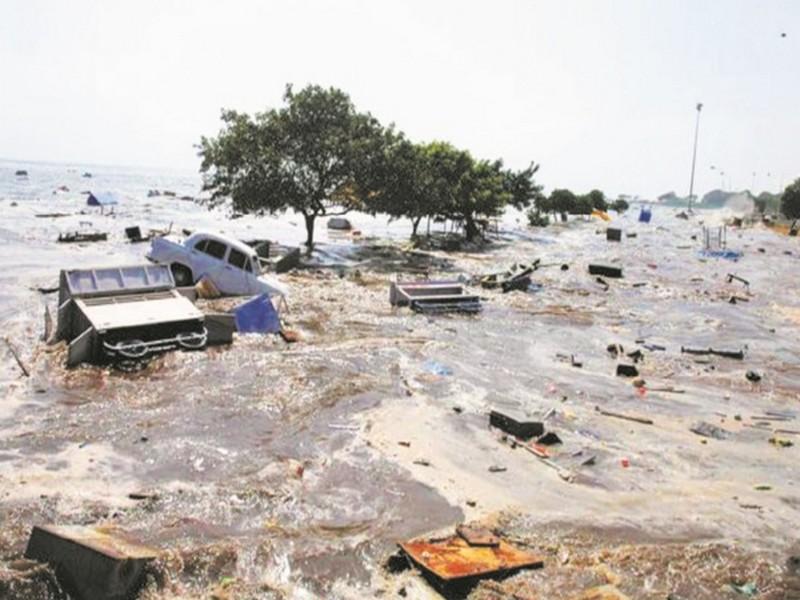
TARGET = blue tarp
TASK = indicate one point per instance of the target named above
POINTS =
(102, 199)
(644, 215)
(733, 255)
(257, 315)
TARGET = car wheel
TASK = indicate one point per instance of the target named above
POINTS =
(182, 275)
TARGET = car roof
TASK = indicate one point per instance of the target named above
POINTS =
(225, 239)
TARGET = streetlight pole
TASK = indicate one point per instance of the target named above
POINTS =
(694, 154)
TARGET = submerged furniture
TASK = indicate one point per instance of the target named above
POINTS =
(434, 297)
(128, 313)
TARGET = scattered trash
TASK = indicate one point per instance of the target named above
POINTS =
(613, 235)
(606, 413)
(625, 462)
(524, 430)
(627, 371)
(780, 442)
(497, 469)
(454, 559)
(477, 536)
(732, 255)
(506, 279)
(257, 315)
(735, 354)
(604, 271)
(732, 278)
(206, 289)
(752, 376)
(103, 199)
(434, 297)
(80, 237)
(549, 439)
(422, 462)
(290, 336)
(615, 349)
(644, 215)
(746, 589)
(708, 430)
(92, 562)
(21, 173)
(435, 368)
(339, 223)
(25, 371)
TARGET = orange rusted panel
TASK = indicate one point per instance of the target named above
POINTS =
(454, 558)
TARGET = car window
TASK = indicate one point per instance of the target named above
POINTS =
(215, 249)
(238, 259)
(201, 245)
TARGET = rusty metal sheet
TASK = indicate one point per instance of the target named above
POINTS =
(477, 536)
(454, 558)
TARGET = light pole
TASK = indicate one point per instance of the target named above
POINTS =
(694, 155)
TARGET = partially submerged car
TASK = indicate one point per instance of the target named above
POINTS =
(232, 266)
(123, 314)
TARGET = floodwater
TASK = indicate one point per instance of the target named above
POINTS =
(276, 470)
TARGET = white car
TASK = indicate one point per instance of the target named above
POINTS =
(231, 265)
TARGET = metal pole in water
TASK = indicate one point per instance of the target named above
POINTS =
(694, 154)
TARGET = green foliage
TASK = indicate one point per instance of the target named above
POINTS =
(522, 187)
(620, 205)
(582, 206)
(317, 156)
(767, 203)
(562, 201)
(790, 201)
(598, 200)
(406, 185)
(537, 218)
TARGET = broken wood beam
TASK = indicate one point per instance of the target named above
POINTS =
(607, 413)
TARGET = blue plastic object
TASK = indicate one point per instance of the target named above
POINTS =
(733, 255)
(102, 199)
(435, 368)
(644, 215)
(257, 315)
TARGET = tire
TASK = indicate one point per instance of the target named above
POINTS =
(181, 274)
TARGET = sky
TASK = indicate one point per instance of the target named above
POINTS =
(600, 93)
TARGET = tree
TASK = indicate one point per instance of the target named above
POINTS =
(598, 200)
(620, 205)
(317, 156)
(409, 184)
(562, 201)
(582, 206)
(790, 201)
(522, 187)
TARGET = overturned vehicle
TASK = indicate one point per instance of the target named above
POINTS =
(125, 315)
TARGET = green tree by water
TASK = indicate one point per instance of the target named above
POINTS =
(317, 156)
(790, 201)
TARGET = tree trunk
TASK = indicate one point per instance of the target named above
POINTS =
(414, 225)
(470, 228)
(310, 229)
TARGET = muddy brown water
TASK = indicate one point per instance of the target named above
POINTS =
(279, 465)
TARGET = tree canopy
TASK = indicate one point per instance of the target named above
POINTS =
(316, 156)
(790, 201)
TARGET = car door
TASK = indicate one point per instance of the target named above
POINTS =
(201, 261)
(238, 271)
(211, 264)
